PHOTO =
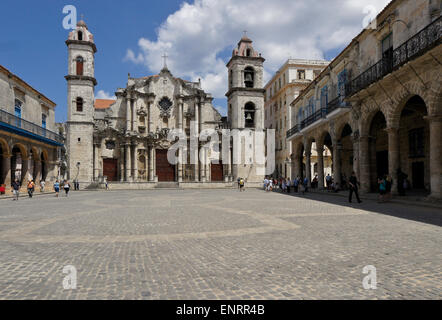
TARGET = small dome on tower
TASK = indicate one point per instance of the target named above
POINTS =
(245, 48)
(81, 33)
(81, 23)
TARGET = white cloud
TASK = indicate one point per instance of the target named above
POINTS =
(197, 34)
(101, 94)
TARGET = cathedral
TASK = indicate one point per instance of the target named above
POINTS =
(125, 141)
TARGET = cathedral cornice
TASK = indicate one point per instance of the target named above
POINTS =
(248, 90)
(87, 43)
(87, 78)
(255, 59)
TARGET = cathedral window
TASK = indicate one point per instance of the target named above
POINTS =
(79, 62)
(248, 52)
(249, 114)
(79, 103)
(80, 35)
(249, 77)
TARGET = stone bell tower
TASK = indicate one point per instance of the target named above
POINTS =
(245, 102)
(81, 87)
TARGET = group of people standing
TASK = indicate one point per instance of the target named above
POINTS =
(298, 185)
(16, 186)
(286, 185)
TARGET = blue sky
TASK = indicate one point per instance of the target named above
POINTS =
(199, 37)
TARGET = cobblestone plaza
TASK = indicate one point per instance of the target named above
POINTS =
(216, 244)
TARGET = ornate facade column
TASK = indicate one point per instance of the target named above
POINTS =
(203, 164)
(128, 113)
(121, 160)
(149, 114)
(229, 166)
(128, 162)
(364, 164)
(134, 116)
(96, 170)
(135, 170)
(24, 170)
(197, 151)
(393, 156)
(320, 151)
(435, 156)
(151, 172)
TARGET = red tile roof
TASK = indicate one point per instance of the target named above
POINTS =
(103, 103)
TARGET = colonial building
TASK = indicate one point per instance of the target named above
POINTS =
(29, 144)
(378, 106)
(126, 140)
(285, 86)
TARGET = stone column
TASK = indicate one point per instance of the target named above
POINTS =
(135, 170)
(134, 116)
(37, 178)
(196, 165)
(356, 155)
(320, 151)
(149, 115)
(364, 164)
(95, 162)
(7, 170)
(151, 173)
(203, 164)
(229, 166)
(393, 156)
(128, 162)
(121, 163)
(180, 150)
(337, 149)
(435, 156)
(308, 167)
(128, 113)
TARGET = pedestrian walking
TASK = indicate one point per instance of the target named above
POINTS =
(57, 188)
(15, 189)
(238, 180)
(106, 184)
(66, 187)
(42, 186)
(241, 185)
(353, 184)
(328, 181)
(289, 185)
(388, 186)
(382, 189)
(296, 184)
(31, 188)
(305, 186)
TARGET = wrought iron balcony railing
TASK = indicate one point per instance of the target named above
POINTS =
(320, 114)
(336, 104)
(293, 130)
(11, 121)
(417, 45)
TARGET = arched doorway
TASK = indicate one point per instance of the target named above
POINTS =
(414, 137)
(378, 149)
(328, 159)
(17, 161)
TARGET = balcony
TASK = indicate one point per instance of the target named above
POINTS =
(414, 47)
(314, 118)
(336, 106)
(296, 129)
(11, 123)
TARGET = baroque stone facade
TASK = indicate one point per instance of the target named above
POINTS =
(379, 106)
(127, 140)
